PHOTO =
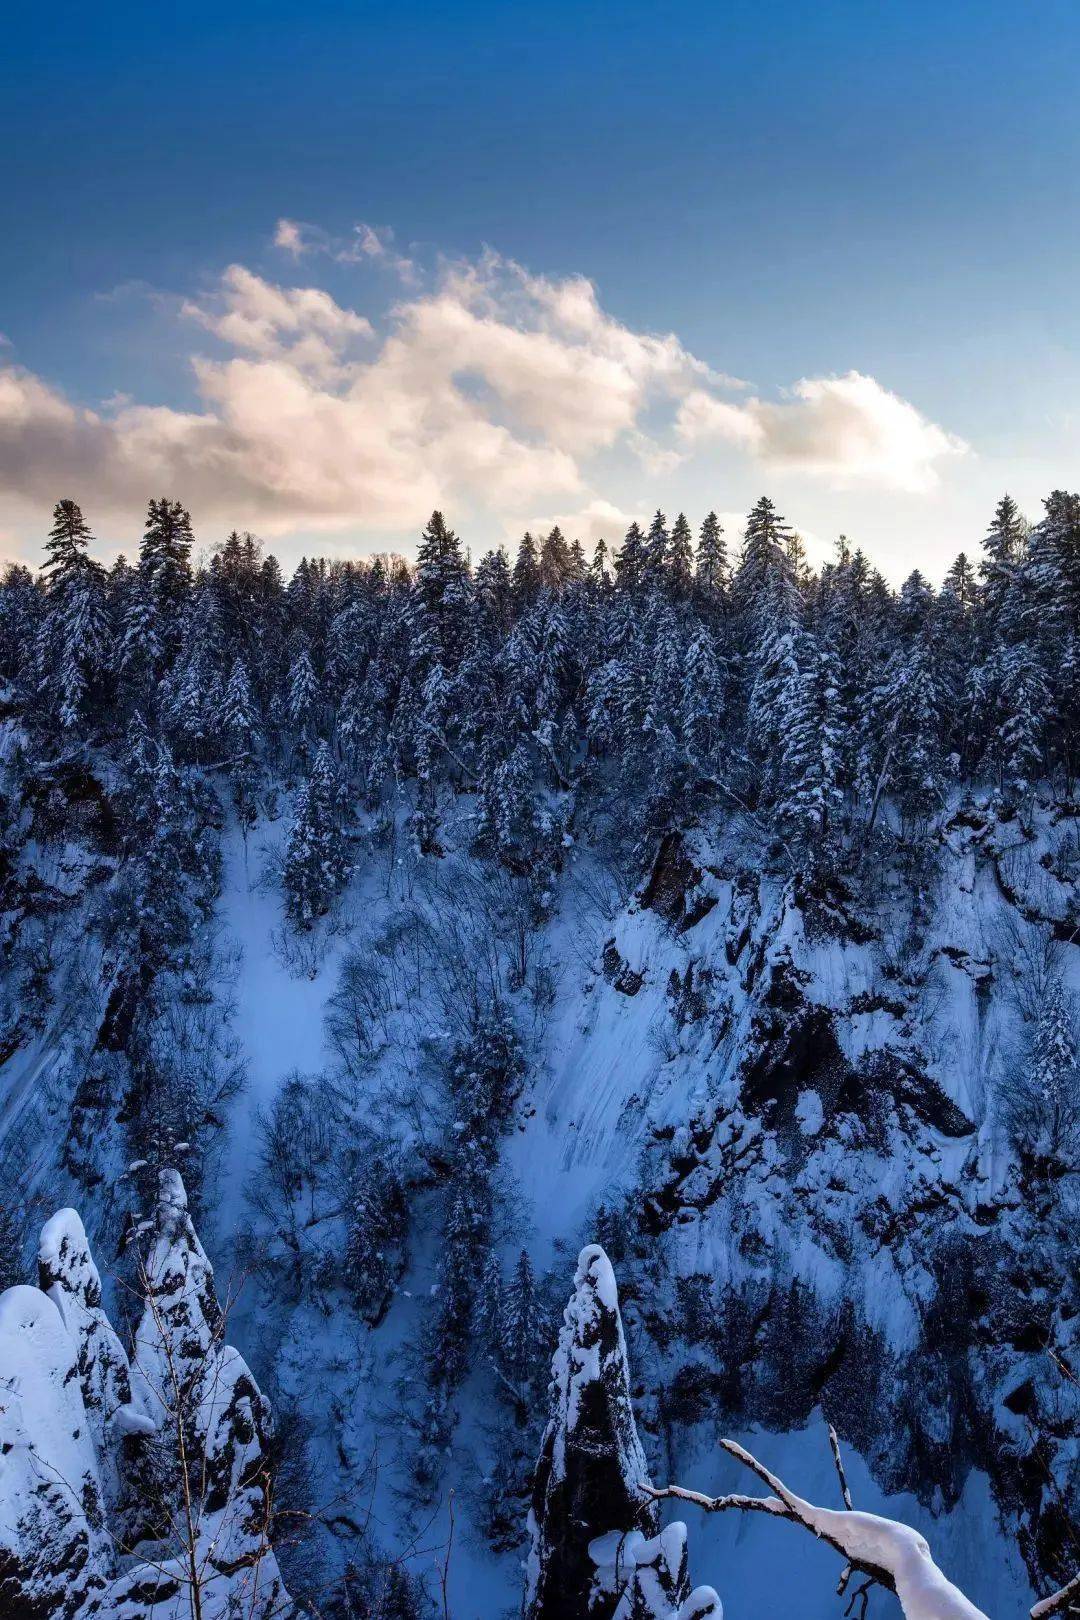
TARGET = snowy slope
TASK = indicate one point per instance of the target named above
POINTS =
(633, 1095)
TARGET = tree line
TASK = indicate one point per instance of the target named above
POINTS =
(825, 703)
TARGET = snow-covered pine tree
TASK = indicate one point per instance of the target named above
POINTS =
(1054, 566)
(152, 627)
(907, 735)
(665, 675)
(239, 729)
(774, 691)
(523, 1336)
(915, 607)
(188, 704)
(1043, 1108)
(83, 644)
(350, 641)
(303, 693)
(20, 619)
(953, 633)
(680, 559)
(190, 700)
(591, 1467)
(66, 546)
(1003, 549)
(554, 560)
(74, 639)
(489, 1308)
(599, 568)
(141, 646)
(657, 543)
(351, 725)
(1025, 712)
(495, 592)
(451, 1337)
(962, 584)
(508, 824)
(702, 715)
(165, 558)
(765, 591)
(316, 859)
(526, 576)
(630, 561)
(444, 589)
(809, 791)
(712, 573)
(238, 719)
(375, 1236)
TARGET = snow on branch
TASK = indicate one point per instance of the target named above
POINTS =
(885, 1551)
(1066, 1600)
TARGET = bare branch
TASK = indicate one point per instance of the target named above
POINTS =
(883, 1550)
(1057, 1601)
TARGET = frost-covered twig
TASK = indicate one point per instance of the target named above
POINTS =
(891, 1553)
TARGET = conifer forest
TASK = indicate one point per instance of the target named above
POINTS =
(520, 1072)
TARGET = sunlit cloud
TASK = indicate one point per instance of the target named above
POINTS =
(848, 430)
(490, 388)
(596, 520)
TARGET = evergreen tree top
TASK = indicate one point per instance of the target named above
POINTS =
(66, 546)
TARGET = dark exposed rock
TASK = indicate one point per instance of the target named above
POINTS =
(676, 886)
(619, 974)
(591, 1464)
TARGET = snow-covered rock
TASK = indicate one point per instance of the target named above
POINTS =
(55, 1557)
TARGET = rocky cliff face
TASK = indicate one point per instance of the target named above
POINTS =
(828, 1209)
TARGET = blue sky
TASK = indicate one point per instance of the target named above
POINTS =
(795, 192)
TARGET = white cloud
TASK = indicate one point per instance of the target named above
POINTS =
(493, 389)
(848, 430)
(302, 324)
(376, 242)
(596, 520)
(289, 237)
(370, 243)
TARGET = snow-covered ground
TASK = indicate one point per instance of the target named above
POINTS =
(279, 1010)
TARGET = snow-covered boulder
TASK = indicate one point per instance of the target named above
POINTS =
(67, 1273)
(647, 1578)
(54, 1552)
